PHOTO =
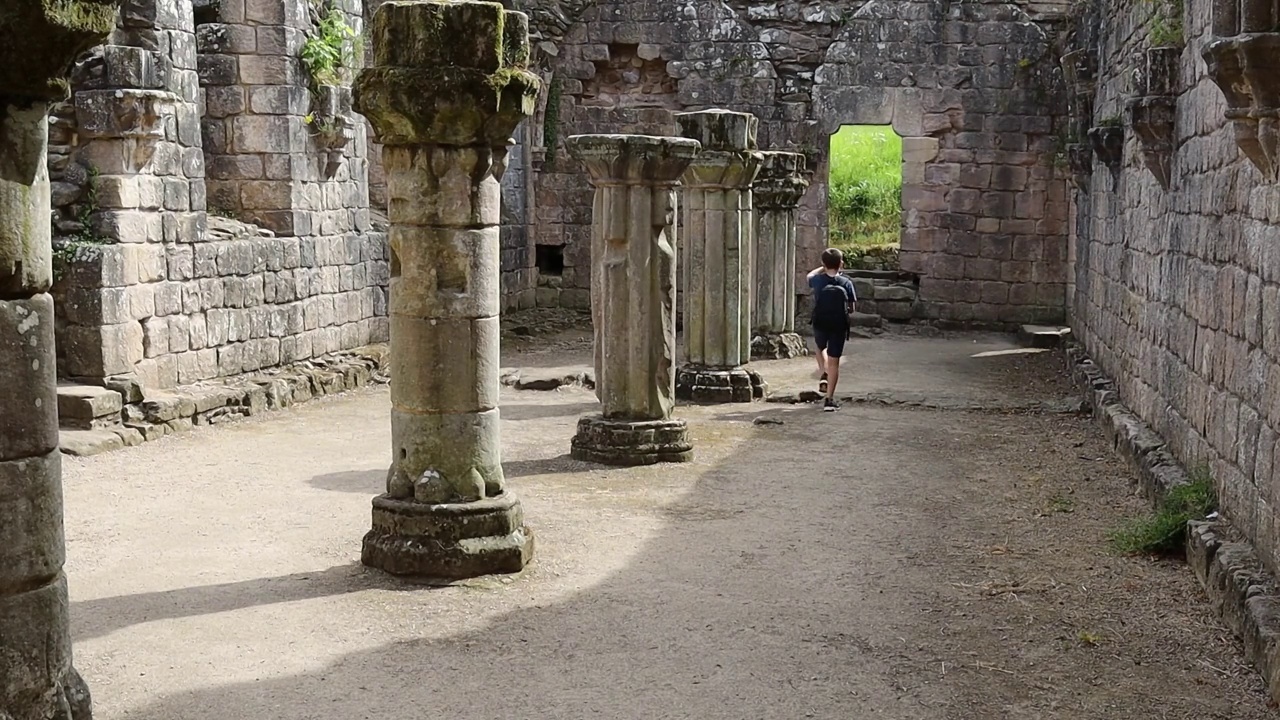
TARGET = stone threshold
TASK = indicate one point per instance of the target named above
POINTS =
(1240, 589)
(165, 412)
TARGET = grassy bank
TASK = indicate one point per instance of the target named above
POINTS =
(865, 187)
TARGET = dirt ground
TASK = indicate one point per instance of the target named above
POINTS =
(883, 561)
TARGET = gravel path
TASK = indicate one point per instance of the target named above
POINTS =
(881, 561)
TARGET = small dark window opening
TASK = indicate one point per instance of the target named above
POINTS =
(550, 259)
(206, 11)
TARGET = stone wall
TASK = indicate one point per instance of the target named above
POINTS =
(973, 87)
(517, 261)
(1177, 289)
(168, 287)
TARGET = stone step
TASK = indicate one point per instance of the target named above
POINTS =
(1043, 336)
(88, 407)
(86, 443)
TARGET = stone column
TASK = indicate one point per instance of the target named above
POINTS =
(38, 41)
(633, 295)
(779, 186)
(447, 87)
(718, 220)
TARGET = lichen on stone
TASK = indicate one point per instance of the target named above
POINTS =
(40, 38)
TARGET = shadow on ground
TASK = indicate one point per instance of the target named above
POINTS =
(868, 563)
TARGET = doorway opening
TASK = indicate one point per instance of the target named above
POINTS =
(864, 192)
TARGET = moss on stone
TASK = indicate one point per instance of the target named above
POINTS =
(40, 38)
(449, 106)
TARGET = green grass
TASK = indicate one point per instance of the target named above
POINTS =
(865, 187)
(1164, 532)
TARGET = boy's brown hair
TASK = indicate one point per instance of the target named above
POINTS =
(832, 259)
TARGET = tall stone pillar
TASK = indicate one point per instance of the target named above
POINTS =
(779, 186)
(716, 260)
(633, 295)
(38, 41)
(447, 87)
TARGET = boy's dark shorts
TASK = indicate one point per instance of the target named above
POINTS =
(831, 340)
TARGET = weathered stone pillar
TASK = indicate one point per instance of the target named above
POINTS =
(447, 87)
(633, 295)
(38, 41)
(779, 186)
(716, 258)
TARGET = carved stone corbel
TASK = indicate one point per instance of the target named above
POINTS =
(1244, 61)
(1151, 113)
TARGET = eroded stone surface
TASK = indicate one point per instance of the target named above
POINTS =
(780, 185)
(447, 87)
(778, 346)
(719, 385)
(38, 40)
(631, 442)
(633, 289)
(718, 244)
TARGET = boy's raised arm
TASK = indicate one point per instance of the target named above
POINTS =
(816, 271)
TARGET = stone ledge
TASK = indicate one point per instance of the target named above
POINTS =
(1240, 589)
(1241, 592)
(162, 413)
(1130, 436)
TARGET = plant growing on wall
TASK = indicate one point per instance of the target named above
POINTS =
(331, 54)
(331, 49)
(85, 240)
(1165, 28)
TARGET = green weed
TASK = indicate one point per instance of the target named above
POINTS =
(865, 189)
(330, 53)
(1164, 532)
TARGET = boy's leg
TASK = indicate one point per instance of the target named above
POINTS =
(835, 348)
(820, 339)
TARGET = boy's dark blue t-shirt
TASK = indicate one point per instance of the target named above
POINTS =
(822, 280)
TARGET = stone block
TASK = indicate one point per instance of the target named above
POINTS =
(270, 70)
(919, 150)
(96, 352)
(720, 130)
(87, 402)
(28, 423)
(261, 134)
(86, 443)
(278, 100)
(221, 102)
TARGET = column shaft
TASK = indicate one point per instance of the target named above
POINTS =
(38, 41)
(779, 187)
(446, 88)
(36, 677)
(633, 297)
(718, 249)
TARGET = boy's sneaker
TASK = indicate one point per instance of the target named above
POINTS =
(822, 384)
(830, 405)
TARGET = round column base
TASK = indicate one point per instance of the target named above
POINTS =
(631, 442)
(778, 346)
(719, 385)
(448, 541)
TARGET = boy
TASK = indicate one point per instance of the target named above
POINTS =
(833, 303)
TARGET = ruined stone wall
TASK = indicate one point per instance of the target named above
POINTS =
(972, 85)
(154, 286)
(517, 257)
(1178, 289)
